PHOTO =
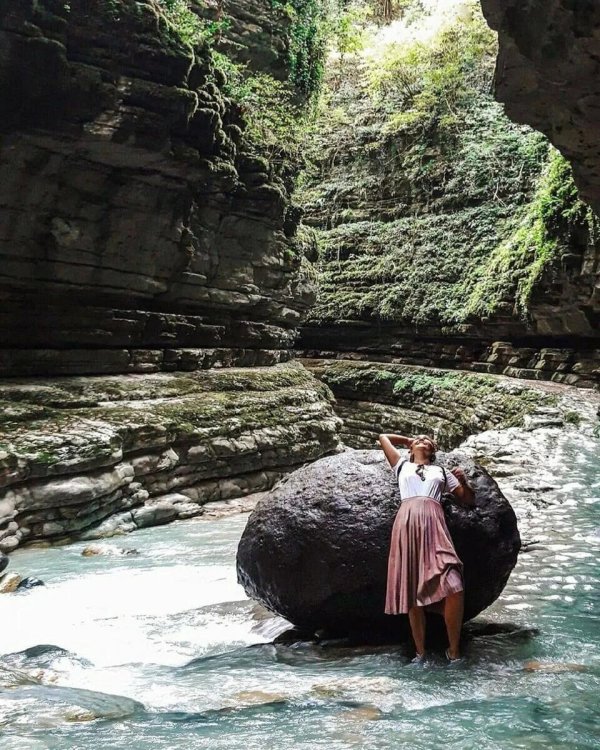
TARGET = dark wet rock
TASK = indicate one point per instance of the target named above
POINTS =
(4, 560)
(29, 583)
(118, 103)
(547, 76)
(315, 549)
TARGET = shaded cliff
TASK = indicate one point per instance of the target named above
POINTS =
(547, 76)
(144, 227)
(449, 235)
(138, 221)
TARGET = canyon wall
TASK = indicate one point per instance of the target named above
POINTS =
(449, 235)
(547, 76)
(139, 232)
(151, 276)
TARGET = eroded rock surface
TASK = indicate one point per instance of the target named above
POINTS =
(376, 397)
(97, 456)
(315, 550)
(548, 75)
(138, 232)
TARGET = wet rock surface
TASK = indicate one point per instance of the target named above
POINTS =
(315, 549)
(376, 397)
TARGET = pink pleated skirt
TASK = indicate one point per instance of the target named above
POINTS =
(423, 567)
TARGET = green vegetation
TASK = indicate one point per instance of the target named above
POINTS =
(573, 417)
(518, 265)
(428, 84)
(190, 28)
(432, 208)
(275, 111)
(307, 42)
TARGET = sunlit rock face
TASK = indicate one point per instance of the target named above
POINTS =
(547, 75)
(450, 235)
(137, 233)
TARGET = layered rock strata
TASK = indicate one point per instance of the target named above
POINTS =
(315, 549)
(135, 222)
(254, 32)
(373, 397)
(547, 76)
(450, 236)
(151, 448)
(359, 342)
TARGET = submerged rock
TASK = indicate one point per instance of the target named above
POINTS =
(29, 583)
(94, 550)
(315, 549)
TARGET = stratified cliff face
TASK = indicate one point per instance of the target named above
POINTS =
(255, 33)
(140, 232)
(128, 451)
(548, 75)
(137, 232)
(449, 235)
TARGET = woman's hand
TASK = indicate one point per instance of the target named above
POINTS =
(463, 492)
(460, 475)
(389, 443)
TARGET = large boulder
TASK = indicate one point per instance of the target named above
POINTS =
(315, 548)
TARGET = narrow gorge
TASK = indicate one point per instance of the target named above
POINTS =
(148, 237)
(239, 239)
(178, 225)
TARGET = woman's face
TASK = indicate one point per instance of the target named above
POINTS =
(421, 441)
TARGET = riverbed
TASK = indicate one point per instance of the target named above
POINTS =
(160, 648)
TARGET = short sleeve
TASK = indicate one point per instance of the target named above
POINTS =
(451, 481)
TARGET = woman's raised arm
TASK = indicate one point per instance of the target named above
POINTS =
(389, 443)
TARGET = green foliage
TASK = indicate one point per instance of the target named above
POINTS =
(190, 28)
(430, 204)
(517, 266)
(307, 42)
(348, 27)
(425, 84)
(572, 417)
(274, 119)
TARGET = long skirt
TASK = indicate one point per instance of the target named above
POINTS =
(423, 567)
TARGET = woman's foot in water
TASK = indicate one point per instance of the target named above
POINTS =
(454, 657)
(418, 659)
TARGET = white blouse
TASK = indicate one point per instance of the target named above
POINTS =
(433, 486)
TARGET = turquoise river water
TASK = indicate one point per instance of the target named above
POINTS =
(162, 649)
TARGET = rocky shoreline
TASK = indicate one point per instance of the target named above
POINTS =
(97, 456)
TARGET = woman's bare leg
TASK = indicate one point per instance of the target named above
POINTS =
(453, 617)
(416, 617)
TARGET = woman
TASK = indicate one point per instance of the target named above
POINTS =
(424, 570)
